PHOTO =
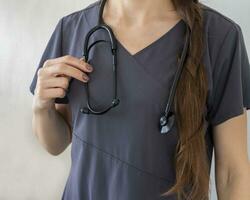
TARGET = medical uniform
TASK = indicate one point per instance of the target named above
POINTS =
(121, 154)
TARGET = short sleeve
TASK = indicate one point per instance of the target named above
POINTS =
(53, 50)
(231, 79)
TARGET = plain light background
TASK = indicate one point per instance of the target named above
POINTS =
(27, 171)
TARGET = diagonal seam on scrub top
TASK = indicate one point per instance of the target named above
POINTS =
(122, 161)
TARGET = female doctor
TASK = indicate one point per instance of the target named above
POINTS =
(122, 154)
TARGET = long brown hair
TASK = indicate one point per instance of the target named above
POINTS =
(191, 161)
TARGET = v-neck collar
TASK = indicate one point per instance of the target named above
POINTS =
(152, 44)
(167, 34)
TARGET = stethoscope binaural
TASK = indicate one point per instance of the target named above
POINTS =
(166, 120)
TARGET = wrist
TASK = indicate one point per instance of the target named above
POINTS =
(39, 105)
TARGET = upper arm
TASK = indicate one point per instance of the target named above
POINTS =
(231, 156)
(230, 99)
(64, 110)
(230, 144)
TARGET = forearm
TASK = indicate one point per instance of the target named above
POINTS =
(51, 129)
(236, 187)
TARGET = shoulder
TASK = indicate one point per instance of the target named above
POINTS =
(217, 25)
(222, 33)
(73, 27)
(88, 12)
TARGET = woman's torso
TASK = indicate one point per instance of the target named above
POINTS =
(121, 154)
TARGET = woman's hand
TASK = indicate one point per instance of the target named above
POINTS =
(53, 78)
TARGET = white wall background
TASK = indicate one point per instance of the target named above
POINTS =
(27, 171)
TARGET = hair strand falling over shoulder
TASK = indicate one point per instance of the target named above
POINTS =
(191, 161)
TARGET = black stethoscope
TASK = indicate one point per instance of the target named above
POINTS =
(166, 120)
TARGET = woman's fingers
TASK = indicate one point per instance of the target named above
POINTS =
(70, 60)
(62, 82)
(63, 69)
(51, 93)
(54, 76)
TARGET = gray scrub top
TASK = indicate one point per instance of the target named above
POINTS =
(121, 155)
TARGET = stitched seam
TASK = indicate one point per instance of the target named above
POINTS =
(85, 17)
(122, 161)
(84, 14)
(215, 64)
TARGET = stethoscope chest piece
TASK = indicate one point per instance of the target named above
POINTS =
(166, 123)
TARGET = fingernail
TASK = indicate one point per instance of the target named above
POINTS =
(89, 67)
(85, 78)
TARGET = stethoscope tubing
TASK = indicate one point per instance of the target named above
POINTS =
(168, 118)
